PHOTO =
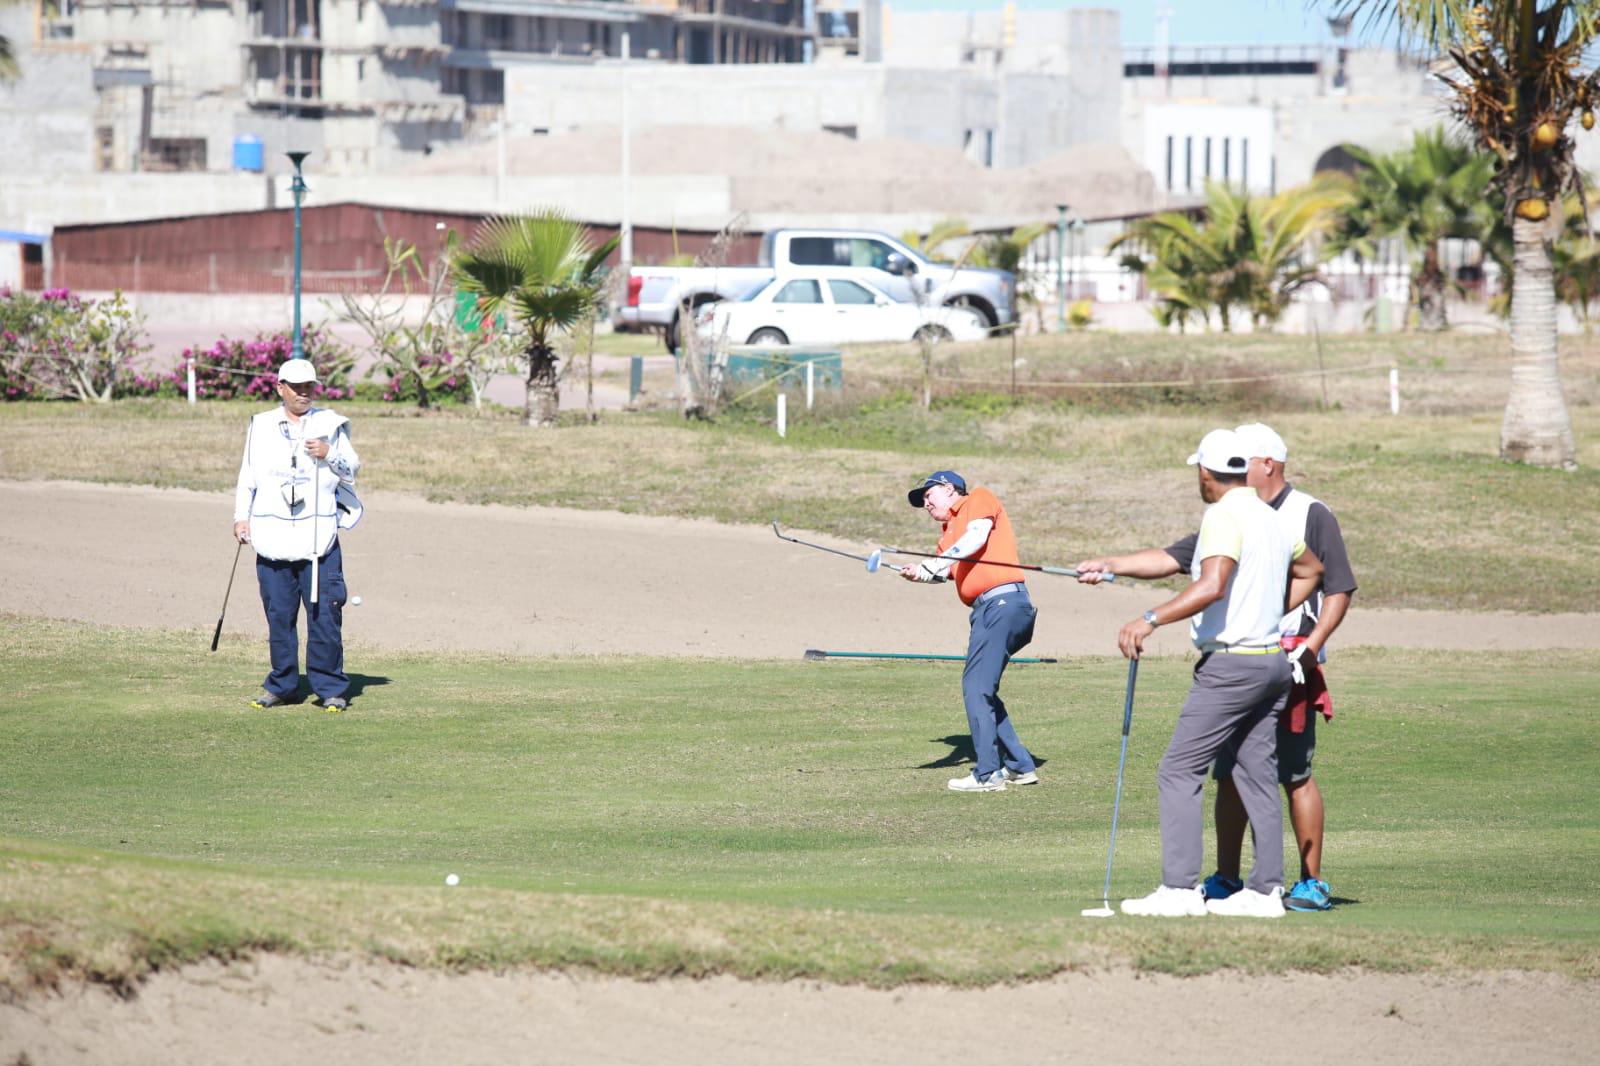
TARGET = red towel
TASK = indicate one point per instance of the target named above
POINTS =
(1308, 695)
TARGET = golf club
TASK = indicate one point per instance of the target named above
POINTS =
(873, 561)
(231, 573)
(1060, 570)
(1104, 910)
(316, 505)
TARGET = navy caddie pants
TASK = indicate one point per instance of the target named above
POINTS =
(285, 587)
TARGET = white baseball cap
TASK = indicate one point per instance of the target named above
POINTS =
(1262, 441)
(297, 372)
(1222, 451)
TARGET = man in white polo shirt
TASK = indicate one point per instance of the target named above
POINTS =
(1244, 568)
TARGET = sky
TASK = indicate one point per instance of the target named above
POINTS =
(1192, 22)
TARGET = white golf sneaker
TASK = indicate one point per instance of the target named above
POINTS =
(1248, 903)
(1014, 778)
(1166, 902)
(970, 783)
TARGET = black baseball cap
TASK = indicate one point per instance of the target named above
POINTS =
(938, 477)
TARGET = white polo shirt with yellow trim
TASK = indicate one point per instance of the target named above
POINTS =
(1248, 531)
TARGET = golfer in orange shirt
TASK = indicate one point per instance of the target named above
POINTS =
(977, 534)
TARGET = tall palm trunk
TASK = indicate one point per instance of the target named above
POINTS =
(543, 387)
(1431, 291)
(1536, 428)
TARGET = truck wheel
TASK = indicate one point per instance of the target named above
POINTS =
(978, 307)
(768, 337)
(670, 334)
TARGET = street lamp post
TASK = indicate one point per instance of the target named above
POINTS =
(298, 188)
(1061, 268)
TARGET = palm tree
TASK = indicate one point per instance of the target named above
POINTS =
(1002, 251)
(1576, 258)
(1250, 253)
(1434, 189)
(543, 268)
(943, 232)
(1518, 84)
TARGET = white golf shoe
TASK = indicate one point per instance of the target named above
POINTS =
(970, 783)
(1166, 902)
(1248, 903)
(1014, 778)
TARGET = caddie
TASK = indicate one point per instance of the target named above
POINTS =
(295, 492)
(1303, 634)
(976, 534)
(1245, 568)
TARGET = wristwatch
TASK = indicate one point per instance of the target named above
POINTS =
(1150, 616)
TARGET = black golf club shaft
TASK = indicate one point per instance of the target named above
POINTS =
(217, 636)
(821, 548)
(1058, 570)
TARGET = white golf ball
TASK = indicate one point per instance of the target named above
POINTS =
(452, 880)
(355, 601)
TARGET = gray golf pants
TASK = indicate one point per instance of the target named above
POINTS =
(1002, 625)
(1235, 701)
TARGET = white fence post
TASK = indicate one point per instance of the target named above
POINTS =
(1394, 390)
(190, 376)
(811, 382)
(783, 414)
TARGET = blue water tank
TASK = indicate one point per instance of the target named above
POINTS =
(247, 153)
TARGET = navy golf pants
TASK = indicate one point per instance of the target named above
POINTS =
(285, 585)
(1001, 627)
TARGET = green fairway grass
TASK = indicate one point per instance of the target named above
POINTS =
(763, 819)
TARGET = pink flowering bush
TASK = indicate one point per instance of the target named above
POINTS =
(233, 369)
(441, 381)
(59, 345)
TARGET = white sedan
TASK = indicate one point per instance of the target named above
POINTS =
(815, 309)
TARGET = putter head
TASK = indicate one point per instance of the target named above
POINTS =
(1097, 912)
(815, 654)
(874, 560)
(775, 530)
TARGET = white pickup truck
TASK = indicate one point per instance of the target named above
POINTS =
(657, 295)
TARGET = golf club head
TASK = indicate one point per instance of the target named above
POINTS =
(874, 560)
(1097, 912)
(775, 530)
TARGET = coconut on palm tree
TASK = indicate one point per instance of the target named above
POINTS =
(542, 268)
(1518, 85)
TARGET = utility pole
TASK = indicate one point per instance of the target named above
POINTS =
(298, 188)
(1061, 268)
(626, 243)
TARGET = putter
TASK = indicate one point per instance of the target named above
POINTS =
(316, 505)
(1104, 910)
(873, 561)
(215, 637)
(1059, 570)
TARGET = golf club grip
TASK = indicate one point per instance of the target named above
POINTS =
(217, 636)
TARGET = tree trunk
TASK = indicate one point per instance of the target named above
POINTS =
(544, 388)
(1431, 291)
(1536, 429)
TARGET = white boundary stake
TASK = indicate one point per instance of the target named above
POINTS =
(811, 382)
(190, 376)
(1394, 390)
(783, 414)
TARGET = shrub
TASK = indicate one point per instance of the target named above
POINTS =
(60, 346)
(445, 383)
(233, 368)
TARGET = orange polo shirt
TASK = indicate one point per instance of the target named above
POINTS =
(973, 577)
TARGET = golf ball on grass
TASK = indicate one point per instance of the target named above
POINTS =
(452, 880)
(355, 601)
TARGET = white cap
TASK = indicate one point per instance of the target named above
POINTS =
(297, 372)
(1261, 441)
(1222, 451)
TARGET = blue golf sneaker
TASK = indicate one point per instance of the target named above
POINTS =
(1309, 895)
(1219, 887)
